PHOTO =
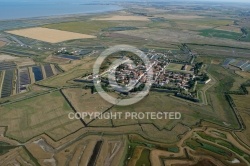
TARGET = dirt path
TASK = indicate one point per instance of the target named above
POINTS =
(87, 153)
(44, 72)
(1, 81)
(53, 69)
(206, 87)
(32, 77)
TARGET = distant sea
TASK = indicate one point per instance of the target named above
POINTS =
(10, 10)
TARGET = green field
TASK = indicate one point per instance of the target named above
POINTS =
(224, 81)
(144, 158)
(220, 34)
(221, 142)
(247, 38)
(210, 22)
(207, 146)
(177, 68)
(5, 147)
(85, 27)
(120, 29)
(174, 66)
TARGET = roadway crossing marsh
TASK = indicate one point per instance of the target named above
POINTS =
(49, 35)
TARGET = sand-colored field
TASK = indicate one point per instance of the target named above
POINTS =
(21, 62)
(85, 63)
(2, 43)
(56, 59)
(215, 61)
(4, 57)
(136, 155)
(243, 74)
(49, 35)
(229, 28)
(123, 18)
(38, 152)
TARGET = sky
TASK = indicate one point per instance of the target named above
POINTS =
(120, 0)
(105, 1)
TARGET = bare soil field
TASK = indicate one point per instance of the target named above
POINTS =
(2, 43)
(49, 35)
(155, 156)
(72, 64)
(123, 18)
(136, 155)
(229, 28)
(67, 154)
(216, 61)
(24, 62)
(38, 152)
(160, 136)
(55, 59)
(243, 74)
(4, 57)
(187, 26)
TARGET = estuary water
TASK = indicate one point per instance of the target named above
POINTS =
(14, 9)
